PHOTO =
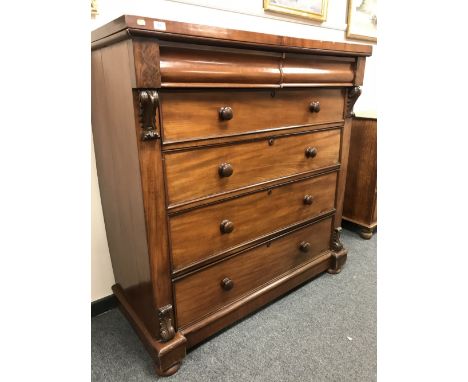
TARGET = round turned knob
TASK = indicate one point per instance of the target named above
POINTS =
(227, 283)
(314, 107)
(225, 170)
(308, 199)
(304, 246)
(226, 226)
(225, 113)
(310, 152)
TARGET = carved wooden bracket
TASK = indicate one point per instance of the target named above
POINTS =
(149, 102)
(353, 95)
(336, 244)
(166, 330)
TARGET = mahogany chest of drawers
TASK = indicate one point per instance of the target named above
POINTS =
(221, 158)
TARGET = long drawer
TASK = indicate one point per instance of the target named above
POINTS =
(193, 114)
(198, 173)
(211, 288)
(204, 232)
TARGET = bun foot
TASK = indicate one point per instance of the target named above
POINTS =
(366, 233)
(167, 372)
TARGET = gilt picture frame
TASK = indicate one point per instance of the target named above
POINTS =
(362, 20)
(310, 9)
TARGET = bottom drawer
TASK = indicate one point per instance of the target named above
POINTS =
(208, 290)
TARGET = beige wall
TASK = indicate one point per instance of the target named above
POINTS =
(241, 14)
(102, 277)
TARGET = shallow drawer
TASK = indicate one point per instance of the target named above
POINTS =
(196, 114)
(208, 290)
(209, 171)
(204, 232)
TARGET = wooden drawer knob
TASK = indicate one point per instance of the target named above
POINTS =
(227, 283)
(225, 170)
(314, 107)
(225, 113)
(308, 199)
(304, 246)
(226, 226)
(310, 152)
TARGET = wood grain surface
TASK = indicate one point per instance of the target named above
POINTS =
(301, 69)
(180, 31)
(207, 66)
(194, 173)
(197, 234)
(201, 293)
(191, 114)
(119, 177)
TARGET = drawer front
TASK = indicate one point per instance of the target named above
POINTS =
(239, 220)
(204, 292)
(190, 115)
(197, 173)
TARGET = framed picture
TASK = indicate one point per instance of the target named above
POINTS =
(362, 20)
(94, 9)
(311, 9)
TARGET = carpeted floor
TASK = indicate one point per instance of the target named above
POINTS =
(322, 331)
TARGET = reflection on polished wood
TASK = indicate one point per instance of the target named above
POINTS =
(222, 159)
(255, 110)
(199, 293)
(252, 162)
(274, 209)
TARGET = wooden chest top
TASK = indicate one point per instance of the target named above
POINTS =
(180, 31)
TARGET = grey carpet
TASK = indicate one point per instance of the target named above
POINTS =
(322, 331)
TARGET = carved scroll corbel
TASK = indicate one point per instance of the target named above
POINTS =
(353, 95)
(336, 244)
(149, 102)
(166, 329)
(339, 254)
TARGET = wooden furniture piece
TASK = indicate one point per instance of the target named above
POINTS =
(221, 157)
(360, 202)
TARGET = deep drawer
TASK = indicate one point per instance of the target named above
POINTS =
(208, 290)
(198, 173)
(193, 114)
(204, 232)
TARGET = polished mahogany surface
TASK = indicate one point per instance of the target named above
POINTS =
(179, 31)
(254, 162)
(222, 158)
(250, 111)
(201, 292)
(275, 208)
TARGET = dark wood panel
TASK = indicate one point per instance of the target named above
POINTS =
(274, 209)
(146, 63)
(119, 176)
(361, 196)
(196, 173)
(208, 290)
(174, 30)
(252, 111)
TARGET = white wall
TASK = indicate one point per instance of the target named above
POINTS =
(240, 14)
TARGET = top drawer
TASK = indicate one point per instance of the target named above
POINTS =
(197, 114)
